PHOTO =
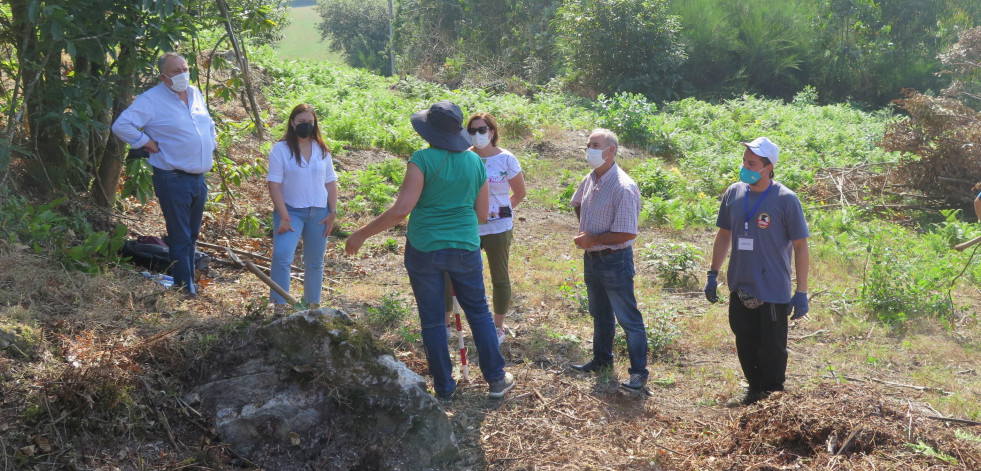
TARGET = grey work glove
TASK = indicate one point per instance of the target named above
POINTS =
(798, 305)
(712, 287)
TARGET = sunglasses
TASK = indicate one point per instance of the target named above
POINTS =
(482, 130)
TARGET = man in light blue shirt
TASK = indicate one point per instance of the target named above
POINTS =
(171, 121)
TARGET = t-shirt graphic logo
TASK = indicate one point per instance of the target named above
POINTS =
(763, 221)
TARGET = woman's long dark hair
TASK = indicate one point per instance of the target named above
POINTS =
(293, 142)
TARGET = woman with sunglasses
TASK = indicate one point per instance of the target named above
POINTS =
(507, 189)
(303, 188)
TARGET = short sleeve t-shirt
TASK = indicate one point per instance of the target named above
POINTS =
(304, 182)
(762, 243)
(500, 169)
(444, 216)
(610, 203)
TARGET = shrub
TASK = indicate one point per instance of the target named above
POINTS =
(676, 264)
(613, 46)
(358, 28)
(390, 314)
(573, 289)
(71, 239)
(941, 144)
(627, 114)
(654, 179)
(376, 186)
(661, 332)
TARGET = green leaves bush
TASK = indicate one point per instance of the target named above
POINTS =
(358, 28)
(612, 46)
(375, 187)
(678, 265)
(360, 110)
(661, 331)
(69, 238)
(904, 275)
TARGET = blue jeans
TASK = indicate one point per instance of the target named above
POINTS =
(306, 224)
(610, 285)
(465, 269)
(182, 198)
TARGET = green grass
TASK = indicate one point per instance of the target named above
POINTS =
(302, 38)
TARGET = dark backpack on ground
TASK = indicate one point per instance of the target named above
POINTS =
(151, 254)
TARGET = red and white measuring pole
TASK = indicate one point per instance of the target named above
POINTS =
(459, 333)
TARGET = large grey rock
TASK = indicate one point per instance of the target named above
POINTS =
(315, 391)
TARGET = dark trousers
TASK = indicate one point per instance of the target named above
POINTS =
(761, 342)
(182, 198)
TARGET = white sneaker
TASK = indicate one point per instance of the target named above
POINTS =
(500, 335)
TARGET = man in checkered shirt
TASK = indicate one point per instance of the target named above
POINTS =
(607, 204)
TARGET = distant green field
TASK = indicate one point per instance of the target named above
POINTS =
(302, 39)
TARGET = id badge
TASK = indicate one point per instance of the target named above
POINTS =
(745, 243)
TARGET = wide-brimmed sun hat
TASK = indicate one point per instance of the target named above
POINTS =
(442, 126)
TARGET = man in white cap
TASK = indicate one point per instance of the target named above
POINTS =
(763, 222)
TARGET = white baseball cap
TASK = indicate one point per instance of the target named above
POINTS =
(763, 147)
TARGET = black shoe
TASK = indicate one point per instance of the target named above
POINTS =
(751, 397)
(592, 366)
(635, 383)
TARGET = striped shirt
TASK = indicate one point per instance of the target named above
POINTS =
(610, 203)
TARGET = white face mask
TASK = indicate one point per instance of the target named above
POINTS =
(180, 82)
(594, 157)
(481, 140)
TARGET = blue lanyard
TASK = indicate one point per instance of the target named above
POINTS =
(757, 206)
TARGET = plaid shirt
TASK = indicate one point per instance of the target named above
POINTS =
(610, 203)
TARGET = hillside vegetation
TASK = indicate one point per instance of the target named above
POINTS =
(95, 363)
(860, 51)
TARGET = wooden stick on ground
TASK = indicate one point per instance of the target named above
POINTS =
(849, 440)
(816, 333)
(910, 386)
(262, 276)
(949, 419)
(242, 252)
(297, 273)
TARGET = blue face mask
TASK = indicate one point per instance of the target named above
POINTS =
(748, 176)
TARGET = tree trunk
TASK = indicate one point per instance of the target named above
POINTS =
(41, 75)
(243, 61)
(111, 166)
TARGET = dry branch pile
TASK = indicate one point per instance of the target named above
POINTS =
(836, 427)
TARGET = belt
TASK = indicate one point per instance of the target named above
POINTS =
(189, 174)
(602, 253)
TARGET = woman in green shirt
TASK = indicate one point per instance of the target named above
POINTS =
(445, 193)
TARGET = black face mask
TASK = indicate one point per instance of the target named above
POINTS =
(304, 130)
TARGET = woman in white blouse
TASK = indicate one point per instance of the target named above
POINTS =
(303, 188)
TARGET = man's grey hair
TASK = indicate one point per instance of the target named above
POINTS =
(162, 61)
(609, 136)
